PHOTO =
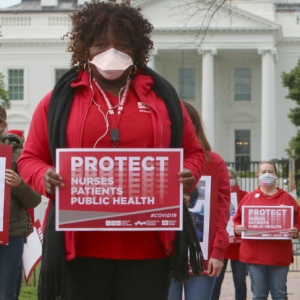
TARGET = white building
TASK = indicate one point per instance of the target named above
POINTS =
(227, 60)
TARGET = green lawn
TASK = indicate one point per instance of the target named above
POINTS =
(29, 292)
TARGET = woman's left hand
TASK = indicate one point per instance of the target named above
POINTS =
(214, 267)
(12, 178)
(293, 233)
(187, 178)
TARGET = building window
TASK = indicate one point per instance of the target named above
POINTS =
(59, 72)
(242, 150)
(187, 83)
(16, 84)
(242, 84)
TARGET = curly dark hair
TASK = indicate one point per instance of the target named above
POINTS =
(95, 17)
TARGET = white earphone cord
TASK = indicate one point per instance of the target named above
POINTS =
(105, 116)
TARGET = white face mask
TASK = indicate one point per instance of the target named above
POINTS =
(267, 179)
(232, 182)
(112, 63)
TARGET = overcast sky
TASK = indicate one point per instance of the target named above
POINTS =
(6, 3)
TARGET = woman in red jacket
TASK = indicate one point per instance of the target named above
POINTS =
(108, 99)
(268, 260)
(201, 287)
(238, 268)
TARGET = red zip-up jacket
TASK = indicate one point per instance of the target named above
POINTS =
(36, 160)
(267, 252)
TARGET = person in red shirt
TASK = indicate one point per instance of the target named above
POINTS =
(238, 268)
(109, 98)
(268, 260)
(201, 287)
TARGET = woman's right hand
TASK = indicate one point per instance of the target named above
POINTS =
(12, 178)
(52, 180)
(239, 229)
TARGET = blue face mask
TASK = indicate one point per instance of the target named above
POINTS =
(267, 179)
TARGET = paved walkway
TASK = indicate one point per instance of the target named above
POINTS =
(227, 292)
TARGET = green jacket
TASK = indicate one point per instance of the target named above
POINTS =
(21, 197)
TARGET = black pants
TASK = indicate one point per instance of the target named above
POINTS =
(106, 279)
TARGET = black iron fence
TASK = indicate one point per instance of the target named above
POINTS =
(295, 266)
(247, 173)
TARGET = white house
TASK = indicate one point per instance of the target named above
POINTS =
(225, 58)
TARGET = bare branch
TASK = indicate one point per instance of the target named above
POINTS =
(197, 15)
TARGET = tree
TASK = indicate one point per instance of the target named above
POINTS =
(198, 14)
(291, 80)
(4, 96)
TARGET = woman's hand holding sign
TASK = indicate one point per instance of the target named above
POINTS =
(239, 229)
(293, 233)
(187, 179)
(52, 180)
(12, 178)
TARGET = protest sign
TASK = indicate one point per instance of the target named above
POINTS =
(205, 207)
(119, 189)
(5, 163)
(234, 202)
(32, 253)
(267, 222)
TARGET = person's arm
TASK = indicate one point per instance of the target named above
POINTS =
(221, 239)
(194, 158)
(35, 159)
(27, 196)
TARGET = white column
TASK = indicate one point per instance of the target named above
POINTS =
(268, 104)
(208, 115)
(151, 63)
